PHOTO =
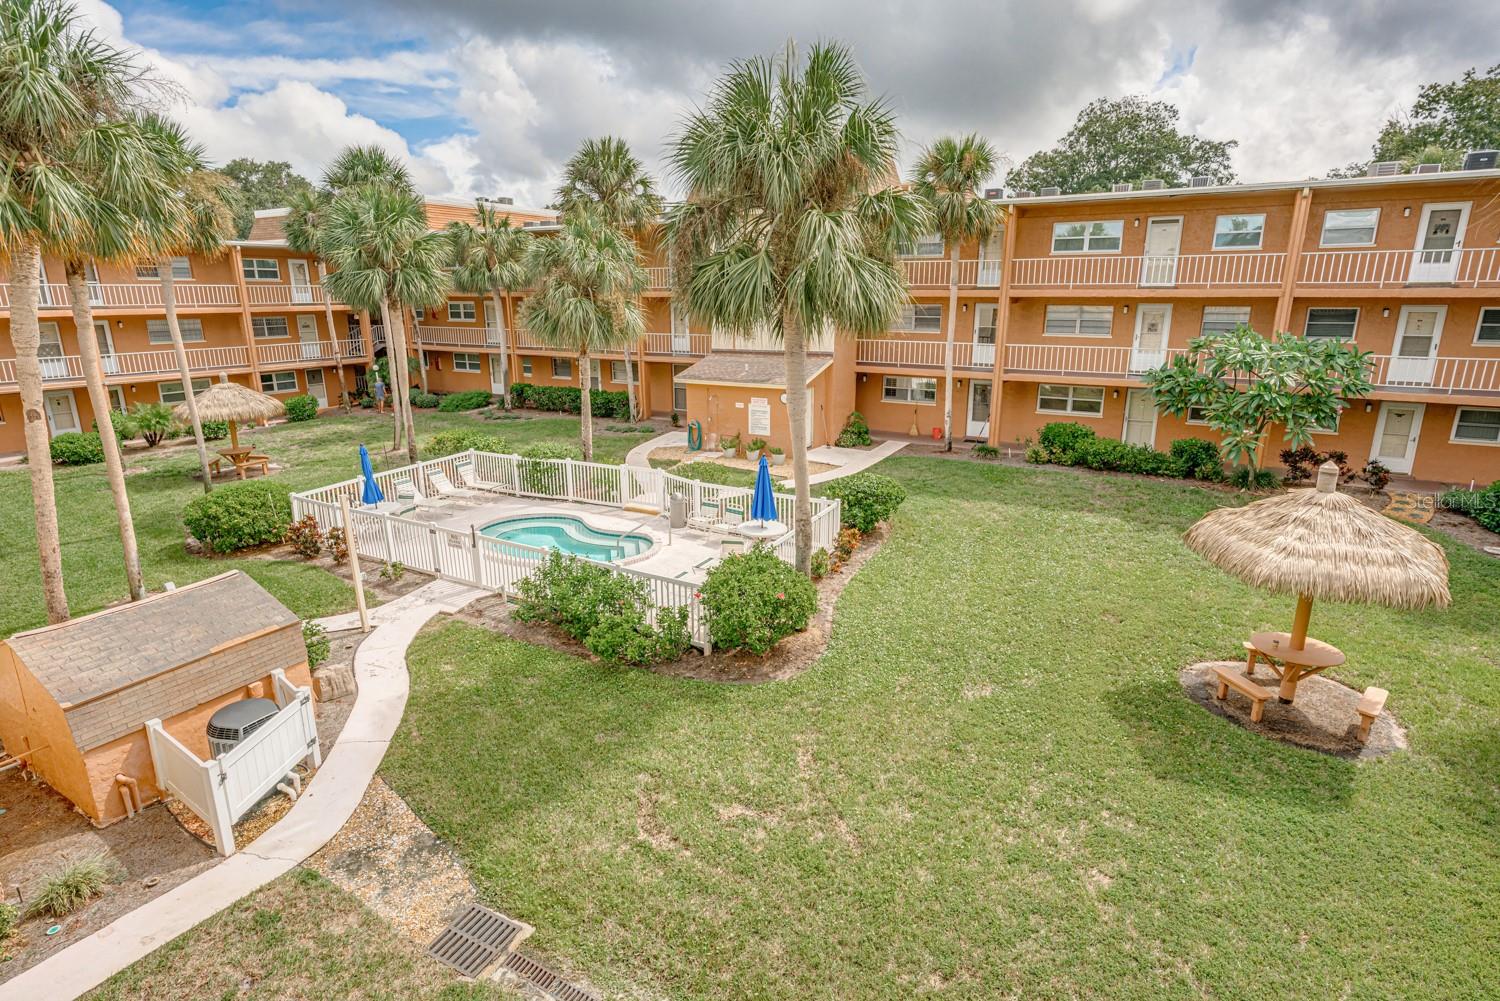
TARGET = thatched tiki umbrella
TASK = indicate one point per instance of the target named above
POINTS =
(231, 402)
(1321, 544)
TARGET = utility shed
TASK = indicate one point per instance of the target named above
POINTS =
(75, 697)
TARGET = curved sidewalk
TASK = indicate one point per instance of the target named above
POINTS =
(318, 814)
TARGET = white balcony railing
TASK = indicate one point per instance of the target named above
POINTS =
(659, 278)
(897, 353)
(1084, 359)
(1475, 268)
(287, 295)
(129, 364)
(1445, 374)
(297, 352)
(145, 295)
(933, 273)
(687, 345)
(458, 337)
(1224, 270)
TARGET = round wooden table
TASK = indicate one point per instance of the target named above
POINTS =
(1314, 657)
(237, 456)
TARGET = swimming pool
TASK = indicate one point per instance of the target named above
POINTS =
(570, 535)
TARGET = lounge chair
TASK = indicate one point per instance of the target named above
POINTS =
(706, 518)
(468, 477)
(438, 480)
(391, 505)
(408, 492)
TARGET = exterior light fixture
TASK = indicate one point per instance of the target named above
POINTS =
(1386, 311)
(1369, 406)
(1125, 308)
(1406, 212)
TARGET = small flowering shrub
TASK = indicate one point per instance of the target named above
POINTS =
(753, 600)
(305, 537)
(338, 548)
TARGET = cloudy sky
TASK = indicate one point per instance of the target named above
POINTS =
(488, 97)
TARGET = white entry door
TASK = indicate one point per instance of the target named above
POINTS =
(681, 342)
(62, 415)
(989, 261)
(301, 281)
(1163, 240)
(50, 352)
(497, 374)
(984, 335)
(1439, 240)
(1396, 435)
(315, 387)
(107, 359)
(1153, 325)
(979, 409)
(307, 333)
(1140, 417)
(1414, 355)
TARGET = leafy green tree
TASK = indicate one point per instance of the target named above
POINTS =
(792, 215)
(1130, 139)
(1446, 120)
(1244, 383)
(260, 184)
(491, 257)
(950, 176)
(606, 178)
(587, 299)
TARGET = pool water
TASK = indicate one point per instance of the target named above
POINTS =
(570, 535)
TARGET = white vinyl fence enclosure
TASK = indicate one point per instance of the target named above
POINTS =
(465, 556)
(222, 789)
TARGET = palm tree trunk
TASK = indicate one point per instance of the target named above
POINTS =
(114, 468)
(504, 347)
(397, 339)
(948, 348)
(169, 304)
(392, 391)
(26, 338)
(794, 342)
(630, 381)
(416, 336)
(338, 354)
(586, 410)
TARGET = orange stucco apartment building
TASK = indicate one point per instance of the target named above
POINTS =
(1057, 317)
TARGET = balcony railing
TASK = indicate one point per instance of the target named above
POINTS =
(686, 345)
(287, 295)
(458, 337)
(1077, 359)
(933, 272)
(298, 352)
(922, 354)
(1443, 374)
(1224, 270)
(145, 295)
(118, 366)
(659, 278)
(1476, 268)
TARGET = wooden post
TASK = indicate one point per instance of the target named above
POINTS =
(347, 521)
(1299, 622)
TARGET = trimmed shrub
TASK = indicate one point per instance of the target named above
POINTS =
(753, 600)
(1118, 456)
(569, 400)
(315, 639)
(301, 408)
(608, 612)
(424, 401)
(1199, 458)
(458, 440)
(214, 430)
(819, 564)
(1060, 440)
(122, 425)
(1248, 478)
(856, 433)
(77, 448)
(240, 515)
(866, 499)
(1481, 505)
(153, 422)
(714, 472)
(471, 399)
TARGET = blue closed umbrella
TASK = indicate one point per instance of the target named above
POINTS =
(763, 504)
(372, 494)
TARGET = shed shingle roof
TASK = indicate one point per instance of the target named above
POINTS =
(91, 656)
(748, 368)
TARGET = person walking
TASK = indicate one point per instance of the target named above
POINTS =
(379, 394)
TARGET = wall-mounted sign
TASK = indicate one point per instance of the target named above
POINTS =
(760, 415)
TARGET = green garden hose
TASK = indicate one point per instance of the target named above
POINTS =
(695, 436)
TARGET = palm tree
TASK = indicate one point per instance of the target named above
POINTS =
(63, 93)
(606, 178)
(587, 299)
(950, 176)
(384, 257)
(792, 216)
(490, 257)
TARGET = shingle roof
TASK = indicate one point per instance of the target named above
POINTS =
(100, 653)
(748, 368)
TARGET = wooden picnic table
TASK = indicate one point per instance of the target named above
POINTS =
(243, 459)
(1290, 665)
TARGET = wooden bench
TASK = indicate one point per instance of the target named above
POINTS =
(1370, 706)
(1231, 678)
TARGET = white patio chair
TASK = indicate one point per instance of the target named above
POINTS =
(444, 487)
(468, 477)
(408, 491)
(391, 505)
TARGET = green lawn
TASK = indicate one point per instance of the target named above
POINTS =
(991, 786)
(317, 452)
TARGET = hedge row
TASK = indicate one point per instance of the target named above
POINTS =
(569, 400)
(1068, 444)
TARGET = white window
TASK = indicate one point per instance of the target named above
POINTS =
(926, 245)
(617, 372)
(526, 367)
(679, 391)
(278, 382)
(420, 312)
(1079, 321)
(171, 392)
(1349, 227)
(900, 389)
(158, 333)
(1239, 232)
(182, 270)
(466, 362)
(270, 326)
(1222, 319)
(461, 310)
(1477, 426)
(1070, 399)
(1197, 415)
(1331, 323)
(562, 368)
(261, 269)
(1087, 237)
(1488, 331)
(925, 317)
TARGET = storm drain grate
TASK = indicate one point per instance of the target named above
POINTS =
(539, 976)
(475, 939)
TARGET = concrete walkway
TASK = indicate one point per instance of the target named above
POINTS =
(327, 803)
(846, 461)
(641, 454)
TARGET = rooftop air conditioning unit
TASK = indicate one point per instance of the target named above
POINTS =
(993, 194)
(1200, 181)
(1481, 159)
(1050, 191)
(1023, 193)
(1153, 184)
(1427, 168)
(235, 722)
(1122, 186)
(1383, 168)
(503, 200)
